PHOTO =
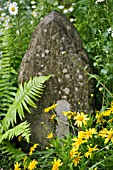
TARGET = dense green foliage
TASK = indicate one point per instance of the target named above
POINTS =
(93, 19)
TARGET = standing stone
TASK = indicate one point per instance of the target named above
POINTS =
(56, 48)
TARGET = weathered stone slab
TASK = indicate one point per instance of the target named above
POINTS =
(62, 126)
(56, 48)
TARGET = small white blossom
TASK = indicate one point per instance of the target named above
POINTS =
(60, 6)
(33, 2)
(71, 9)
(99, 1)
(109, 30)
(13, 8)
(3, 14)
(17, 32)
(31, 22)
(65, 11)
(72, 19)
(56, 3)
(73, 4)
(34, 6)
(112, 33)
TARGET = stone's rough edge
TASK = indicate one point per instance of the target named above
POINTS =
(61, 20)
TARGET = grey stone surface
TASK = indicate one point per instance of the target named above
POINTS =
(56, 48)
(62, 128)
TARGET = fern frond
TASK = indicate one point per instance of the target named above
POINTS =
(7, 89)
(24, 97)
(21, 129)
(11, 150)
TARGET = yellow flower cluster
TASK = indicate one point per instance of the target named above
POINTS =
(33, 149)
(105, 114)
(83, 144)
(82, 137)
(107, 134)
(31, 166)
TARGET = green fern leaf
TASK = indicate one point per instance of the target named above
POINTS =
(7, 89)
(22, 99)
(11, 151)
(21, 129)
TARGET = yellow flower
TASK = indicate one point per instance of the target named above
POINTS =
(17, 166)
(109, 136)
(24, 162)
(56, 164)
(73, 152)
(76, 160)
(50, 108)
(69, 114)
(52, 118)
(19, 138)
(79, 140)
(90, 132)
(50, 135)
(81, 119)
(90, 150)
(33, 149)
(32, 165)
(25, 159)
(99, 117)
(103, 132)
(110, 120)
(106, 113)
(92, 169)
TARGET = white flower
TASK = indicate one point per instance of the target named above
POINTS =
(13, 8)
(99, 1)
(71, 9)
(109, 30)
(31, 22)
(60, 6)
(112, 33)
(33, 2)
(17, 32)
(21, 2)
(55, 4)
(73, 4)
(34, 6)
(3, 14)
(65, 11)
(72, 19)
